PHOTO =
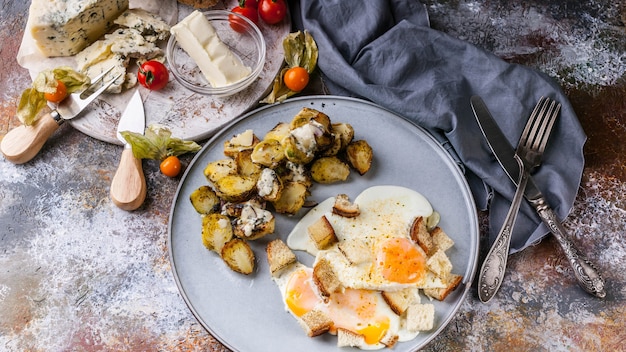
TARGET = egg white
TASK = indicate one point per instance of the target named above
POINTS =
(386, 212)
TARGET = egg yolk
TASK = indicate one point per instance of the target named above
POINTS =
(356, 310)
(300, 296)
(399, 260)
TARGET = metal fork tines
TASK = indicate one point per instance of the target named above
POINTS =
(76, 102)
(528, 154)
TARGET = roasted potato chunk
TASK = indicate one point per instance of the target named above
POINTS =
(269, 152)
(254, 222)
(205, 200)
(299, 149)
(269, 186)
(216, 231)
(242, 141)
(245, 165)
(235, 188)
(329, 169)
(215, 170)
(291, 198)
(360, 155)
(238, 256)
(280, 131)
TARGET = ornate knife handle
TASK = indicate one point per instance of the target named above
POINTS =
(587, 275)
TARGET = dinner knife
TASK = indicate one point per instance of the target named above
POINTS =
(128, 187)
(586, 274)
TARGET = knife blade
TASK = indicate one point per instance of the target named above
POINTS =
(586, 274)
(128, 187)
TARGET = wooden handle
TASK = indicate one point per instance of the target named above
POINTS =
(128, 188)
(22, 143)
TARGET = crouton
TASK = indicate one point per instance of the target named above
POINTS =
(420, 317)
(439, 264)
(355, 250)
(441, 239)
(343, 207)
(347, 338)
(325, 278)
(440, 294)
(322, 233)
(420, 235)
(400, 300)
(279, 256)
(315, 323)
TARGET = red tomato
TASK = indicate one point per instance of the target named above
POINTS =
(58, 95)
(296, 78)
(272, 11)
(249, 3)
(170, 166)
(153, 75)
(237, 23)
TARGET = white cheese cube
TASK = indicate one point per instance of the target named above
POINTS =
(65, 27)
(198, 38)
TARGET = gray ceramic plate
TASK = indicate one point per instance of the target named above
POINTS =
(246, 312)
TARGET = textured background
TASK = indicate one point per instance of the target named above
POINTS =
(78, 274)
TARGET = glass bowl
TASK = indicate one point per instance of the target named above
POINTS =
(246, 42)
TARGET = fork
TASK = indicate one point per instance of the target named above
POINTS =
(24, 142)
(528, 155)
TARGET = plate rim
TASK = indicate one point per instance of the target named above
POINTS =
(468, 277)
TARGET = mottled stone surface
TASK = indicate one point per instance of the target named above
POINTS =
(77, 273)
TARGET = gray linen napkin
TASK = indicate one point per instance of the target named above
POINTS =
(385, 52)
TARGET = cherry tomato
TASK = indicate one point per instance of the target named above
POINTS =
(170, 166)
(153, 75)
(272, 11)
(58, 95)
(249, 3)
(237, 23)
(296, 78)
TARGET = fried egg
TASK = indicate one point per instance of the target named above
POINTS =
(392, 261)
(361, 311)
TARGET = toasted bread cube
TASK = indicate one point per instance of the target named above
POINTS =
(279, 257)
(322, 233)
(238, 255)
(347, 338)
(420, 235)
(441, 239)
(325, 278)
(390, 339)
(355, 250)
(315, 323)
(440, 294)
(400, 300)
(420, 317)
(343, 207)
(360, 155)
(440, 264)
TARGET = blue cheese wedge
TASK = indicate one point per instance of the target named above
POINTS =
(64, 28)
(219, 65)
(151, 26)
(129, 42)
